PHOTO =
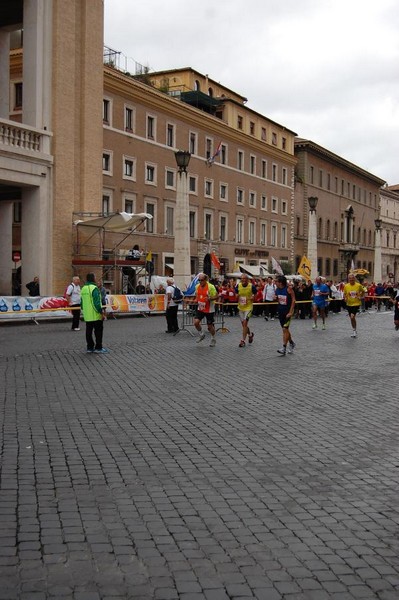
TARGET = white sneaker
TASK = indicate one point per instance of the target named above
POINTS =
(314, 326)
(291, 347)
(201, 338)
(213, 342)
(354, 334)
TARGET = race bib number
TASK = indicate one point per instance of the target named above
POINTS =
(316, 293)
(242, 300)
(201, 306)
(353, 294)
(282, 300)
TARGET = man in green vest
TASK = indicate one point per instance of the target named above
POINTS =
(93, 314)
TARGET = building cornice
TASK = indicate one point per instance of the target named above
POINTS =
(312, 147)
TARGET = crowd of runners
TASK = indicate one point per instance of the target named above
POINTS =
(286, 299)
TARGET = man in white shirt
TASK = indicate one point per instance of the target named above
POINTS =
(171, 308)
(269, 292)
(73, 297)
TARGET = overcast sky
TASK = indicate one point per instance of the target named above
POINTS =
(326, 69)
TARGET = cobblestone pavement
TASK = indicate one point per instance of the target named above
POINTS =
(171, 470)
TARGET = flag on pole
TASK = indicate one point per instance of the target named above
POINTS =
(190, 291)
(209, 161)
(352, 265)
(305, 268)
(215, 261)
(276, 266)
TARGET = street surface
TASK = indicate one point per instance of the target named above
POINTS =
(170, 470)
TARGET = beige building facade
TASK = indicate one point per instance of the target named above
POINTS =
(348, 204)
(240, 175)
(389, 215)
(50, 134)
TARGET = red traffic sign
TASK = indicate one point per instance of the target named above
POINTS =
(16, 256)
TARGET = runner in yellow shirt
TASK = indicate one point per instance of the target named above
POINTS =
(246, 294)
(353, 294)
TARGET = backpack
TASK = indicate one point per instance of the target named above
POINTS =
(177, 295)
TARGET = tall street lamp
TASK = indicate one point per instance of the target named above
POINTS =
(377, 252)
(312, 235)
(182, 262)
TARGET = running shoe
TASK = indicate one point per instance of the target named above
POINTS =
(241, 344)
(282, 351)
(89, 351)
(201, 338)
(396, 327)
(102, 351)
(354, 334)
(314, 326)
(323, 327)
(291, 347)
(251, 338)
(213, 342)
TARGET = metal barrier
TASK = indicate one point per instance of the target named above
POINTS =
(188, 315)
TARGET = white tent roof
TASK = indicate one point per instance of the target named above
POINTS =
(118, 222)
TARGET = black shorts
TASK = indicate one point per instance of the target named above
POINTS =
(284, 320)
(353, 310)
(210, 317)
(396, 314)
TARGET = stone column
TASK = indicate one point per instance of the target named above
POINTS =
(377, 256)
(312, 242)
(182, 263)
(6, 218)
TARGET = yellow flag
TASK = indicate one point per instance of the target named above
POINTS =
(305, 268)
(149, 256)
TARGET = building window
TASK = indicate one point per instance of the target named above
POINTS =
(170, 179)
(150, 127)
(208, 148)
(328, 229)
(298, 225)
(223, 192)
(208, 226)
(252, 128)
(274, 172)
(169, 220)
(263, 202)
(320, 265)
(223, 228)
(320, 229)
(192, 184)
(240, 160)
(18, 91)
(263, 134)
(284, 176)
(240, 196)
(311, 174)
(106, 205)
(193, 142)
(240, 226)
(320, 178)
(129, 206)
(170, 135)
(274, 139)
(252, 164)
(263, 229)
(239, 122)
(223, 154)
(274, 205)
(284, 143)
(107, 163)
(149, 223)
(251, 232)
(150, 174)
(264, 169)
(129, 168)
(208, 188)
(192, 221)
(354, 192)
(328, 181)
(335, 230)
(106, 111)
(252, 199)
(273, 241)
(335, 267)
(283, 236)
(129, 118)
(284, 207)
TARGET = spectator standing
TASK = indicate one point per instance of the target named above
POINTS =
(171, 308)
(269, 292)
(286, 305)
(34, 287)
(73, 297)
(93, 314)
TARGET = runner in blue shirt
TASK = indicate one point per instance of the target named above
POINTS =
(320, 294)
